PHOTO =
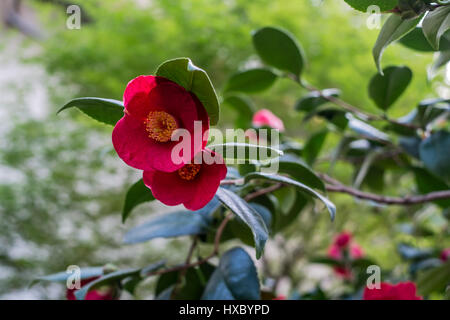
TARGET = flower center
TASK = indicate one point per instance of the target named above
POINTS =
(160, 125)
(189, 171)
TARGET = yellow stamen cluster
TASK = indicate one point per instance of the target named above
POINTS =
(189, 171)
(160, 125)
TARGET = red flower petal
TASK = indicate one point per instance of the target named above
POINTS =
(265, 117)
(171, 189)
(130, 137)
(387, 291)
(135, 148)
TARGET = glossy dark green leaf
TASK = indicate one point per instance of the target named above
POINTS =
(284, 219)
(85, 273)
(385, 89)
(247, 214)
(245, 151)
(441, 60)
(107, 111)
(243, 107)
(334, 116)
(411, 145)
(110, 278)
(435, 24)
(408, 252)
(249, 81)
(363, 5)
(300, 186)
(137, 194)
(313, 146)
(434, 280)
(427, 182)
(300, 171)
(434, 153)
(240, 229)
(366, 130)
(393, 29)
(234, 279)
(278, 48)
(315, 99)
(174, 224)
(195, 80)
(416, 40)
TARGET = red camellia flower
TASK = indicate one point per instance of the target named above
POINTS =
(343, 244)
(445, 254)
(193, 185)
(343, 239)
(99, 294)
(400, 291)
(155, 108)
(265, 117)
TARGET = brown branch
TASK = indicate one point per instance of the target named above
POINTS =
(406, 200)
(263, 191)
(348, 107)
(336, 186)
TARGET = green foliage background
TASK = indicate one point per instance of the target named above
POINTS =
(126, 40)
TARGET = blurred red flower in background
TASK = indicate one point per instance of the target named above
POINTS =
(401, 291)
(342, 249)
(106, 293)
(445, 254)
(265, 117)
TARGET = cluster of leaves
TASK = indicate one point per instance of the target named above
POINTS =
(421, 25)
(414, 143)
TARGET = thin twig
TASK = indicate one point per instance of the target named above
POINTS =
(349, 107)
(336, 186)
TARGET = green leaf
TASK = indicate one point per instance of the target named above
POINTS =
(434, 280)
(253, 80)
(247, 214)
(110, 278)
(234, 279)
(245, 151)
(279, 48)
(284, 219)
(244, 109)
(434, 153)
(435, 24)
(334, 116)
(441, 60)
(240, 229)
(183, 72)
(137, 194)
(408, 252)
(426, 183)
(365, 129)
(362, 5)
(315, 99)
(312, 148)
(107, 111)
(387, 88)
(300, 186)
(85, 273)
(191, 287)
(393, 29)
(299, 170)
(174, 224)
(416, 40)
